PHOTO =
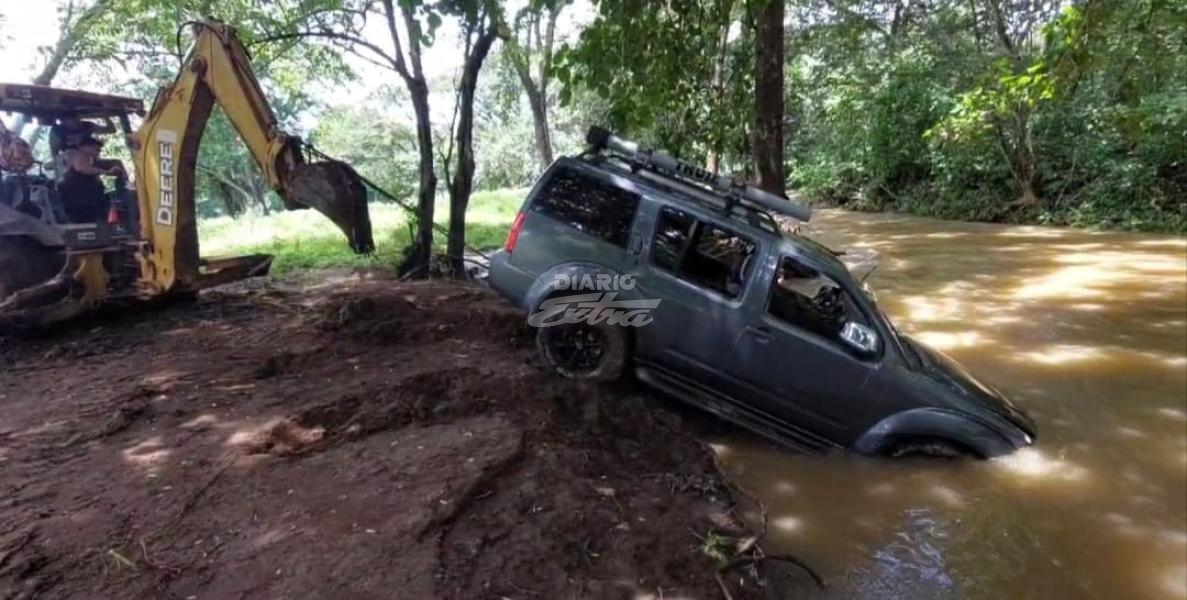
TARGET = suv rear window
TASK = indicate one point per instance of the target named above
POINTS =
(588, 205)
(701, 252)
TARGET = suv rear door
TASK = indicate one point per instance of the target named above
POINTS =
(575, 215)
(699, 270)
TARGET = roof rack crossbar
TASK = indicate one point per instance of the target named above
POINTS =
(732, 190)
(747, 211)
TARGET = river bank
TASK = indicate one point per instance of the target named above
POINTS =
(362, 438)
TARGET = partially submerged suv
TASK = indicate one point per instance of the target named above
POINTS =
(628, 260)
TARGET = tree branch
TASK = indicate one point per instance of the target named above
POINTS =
(413, 28)
(228, 181)
(341, 37)
(546, 50)
(849, 13)
(389, 13)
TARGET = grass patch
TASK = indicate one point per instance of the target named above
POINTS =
(304, 239)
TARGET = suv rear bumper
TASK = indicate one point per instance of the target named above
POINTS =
(509, 281)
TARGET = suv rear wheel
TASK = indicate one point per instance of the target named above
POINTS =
(584, 350)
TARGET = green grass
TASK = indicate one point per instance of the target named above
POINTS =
(305, 239)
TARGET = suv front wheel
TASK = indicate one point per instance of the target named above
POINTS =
(584, 350)
(929, 448)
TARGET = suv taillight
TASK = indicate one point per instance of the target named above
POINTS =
(513, 235)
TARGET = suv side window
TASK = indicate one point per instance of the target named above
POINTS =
(588, 205)
(810, 300)
(701, 252)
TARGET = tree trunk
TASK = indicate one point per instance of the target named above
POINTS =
(259, 192)
(1013, 140)
(539, 106)
(420, 252)
(768, 92)
(535, 89)
(227, 195)
(226, 183)
(1027, 161)
(463, 175)
(713, 160)
(416, 259)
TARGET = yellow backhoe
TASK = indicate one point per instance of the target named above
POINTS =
(53, 269)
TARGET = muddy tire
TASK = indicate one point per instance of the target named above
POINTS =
(25, 263)
(584, 351)
(930, 448)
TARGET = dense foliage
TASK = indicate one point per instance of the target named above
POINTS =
(1003, 110)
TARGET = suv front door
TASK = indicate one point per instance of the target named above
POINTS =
(793, 359)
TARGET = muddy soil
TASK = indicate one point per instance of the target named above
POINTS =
(366, 439)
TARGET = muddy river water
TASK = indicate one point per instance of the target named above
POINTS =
(1087, 331)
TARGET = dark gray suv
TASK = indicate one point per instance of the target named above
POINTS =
(629, 261)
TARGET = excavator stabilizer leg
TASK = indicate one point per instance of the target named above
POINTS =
(334, 189)
(24, 263)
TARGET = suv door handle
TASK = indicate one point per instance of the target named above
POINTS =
(761, 335)
(636, 244)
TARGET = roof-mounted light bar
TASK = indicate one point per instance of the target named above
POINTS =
(668, 166)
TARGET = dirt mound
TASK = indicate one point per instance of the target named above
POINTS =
(380, 312)
(376, 440)
(281, 437)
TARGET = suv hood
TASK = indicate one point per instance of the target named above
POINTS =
(944, 370)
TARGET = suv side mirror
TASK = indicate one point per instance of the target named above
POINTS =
(860, 337)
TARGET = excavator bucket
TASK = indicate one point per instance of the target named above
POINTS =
(335, 190)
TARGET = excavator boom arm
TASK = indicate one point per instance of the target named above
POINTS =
(217, 70)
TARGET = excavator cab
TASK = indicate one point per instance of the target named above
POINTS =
(29, 185)
(148, 246)
(37, 239)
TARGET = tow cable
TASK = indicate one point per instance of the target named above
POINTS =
(313, 152)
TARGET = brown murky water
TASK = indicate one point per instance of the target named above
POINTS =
(1088, 332)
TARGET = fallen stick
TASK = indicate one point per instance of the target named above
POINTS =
(148, 561)
(725, 591)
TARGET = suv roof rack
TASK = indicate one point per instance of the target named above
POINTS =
(749, 214)
(732, 190)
